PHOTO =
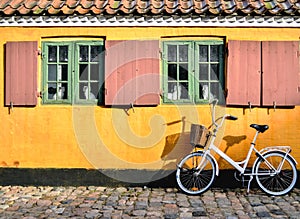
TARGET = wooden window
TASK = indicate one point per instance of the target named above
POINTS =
(89, 71)
(21, 73)
(72, 72)
(244, 73)
(132, 72)
(193, 71)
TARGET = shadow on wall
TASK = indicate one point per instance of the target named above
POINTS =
(233, 140)
(176, 147)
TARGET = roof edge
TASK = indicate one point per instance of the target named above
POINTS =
(150, 21)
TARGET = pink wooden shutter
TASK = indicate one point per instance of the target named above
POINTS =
(132, 73)
(280, 73)
(21, 73)
(243, 79)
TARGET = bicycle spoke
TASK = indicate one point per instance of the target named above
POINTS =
(276, 183)
(190, 179)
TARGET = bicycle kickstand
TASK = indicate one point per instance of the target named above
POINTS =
(248, 189)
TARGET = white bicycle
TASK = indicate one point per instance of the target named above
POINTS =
(274, 168)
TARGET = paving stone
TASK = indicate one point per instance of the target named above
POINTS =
(138, 202)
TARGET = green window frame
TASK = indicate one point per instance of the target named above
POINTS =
(73, 72)
(193, 71)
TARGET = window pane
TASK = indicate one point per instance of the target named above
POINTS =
(203, 74)
(204, 91)
(172, 72)
(95, 52)
(203, 53)
(183, 72)
(214, 87)
(52, 54)
(171, 90)
(52, 73)
(61, 92)
(94, 72)
(183, 90)
(183, 53)
(83, 72)
(63, 53)
(214, 53)
(172, 53)
(82, 90)
(51, 90)
(94, 90)
(88, 91)
(57, 92)
(214, 72)
(83, 53)
(64, 72)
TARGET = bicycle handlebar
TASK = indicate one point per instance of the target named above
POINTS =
(226, 116)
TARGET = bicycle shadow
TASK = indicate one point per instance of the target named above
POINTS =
(233, 140)
(176, 146)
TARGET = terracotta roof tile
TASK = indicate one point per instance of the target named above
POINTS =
(15, 3)
(197, 7)
(23, 10)
(86, 3)
(30, 4)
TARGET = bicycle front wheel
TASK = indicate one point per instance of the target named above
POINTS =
(280, 180)
(192, 178)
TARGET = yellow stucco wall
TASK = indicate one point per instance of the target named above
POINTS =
(64, 136)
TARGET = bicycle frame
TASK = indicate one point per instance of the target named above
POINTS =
(235, 164)
(239, 165)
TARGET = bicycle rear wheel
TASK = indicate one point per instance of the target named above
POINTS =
(193, 181)
(273, 183)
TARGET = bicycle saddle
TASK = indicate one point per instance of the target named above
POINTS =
(260, 128)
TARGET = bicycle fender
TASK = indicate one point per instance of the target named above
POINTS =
(271, 151)
(278, 150)
(214, 160)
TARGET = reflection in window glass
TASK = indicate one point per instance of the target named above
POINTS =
(172, 53)
(64, 72)
(83, 53)
(204, 90)
(203, 53)
(52, 54)
(52, 73)
(214, 72)
(63, 53)
(51, 90)
(95, 72)
(183, 72)
(172, 71)
(83, 72)
(214, 53)
(95, 52)
(183, 53)
(203, 72)
(183, 89)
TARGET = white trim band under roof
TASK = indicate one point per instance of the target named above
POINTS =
(152, 21)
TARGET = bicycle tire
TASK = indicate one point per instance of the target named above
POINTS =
(186, 174)
(272, 183)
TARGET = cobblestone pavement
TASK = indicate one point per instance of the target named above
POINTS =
(103, 202)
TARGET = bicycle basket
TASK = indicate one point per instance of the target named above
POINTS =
(199, 135)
